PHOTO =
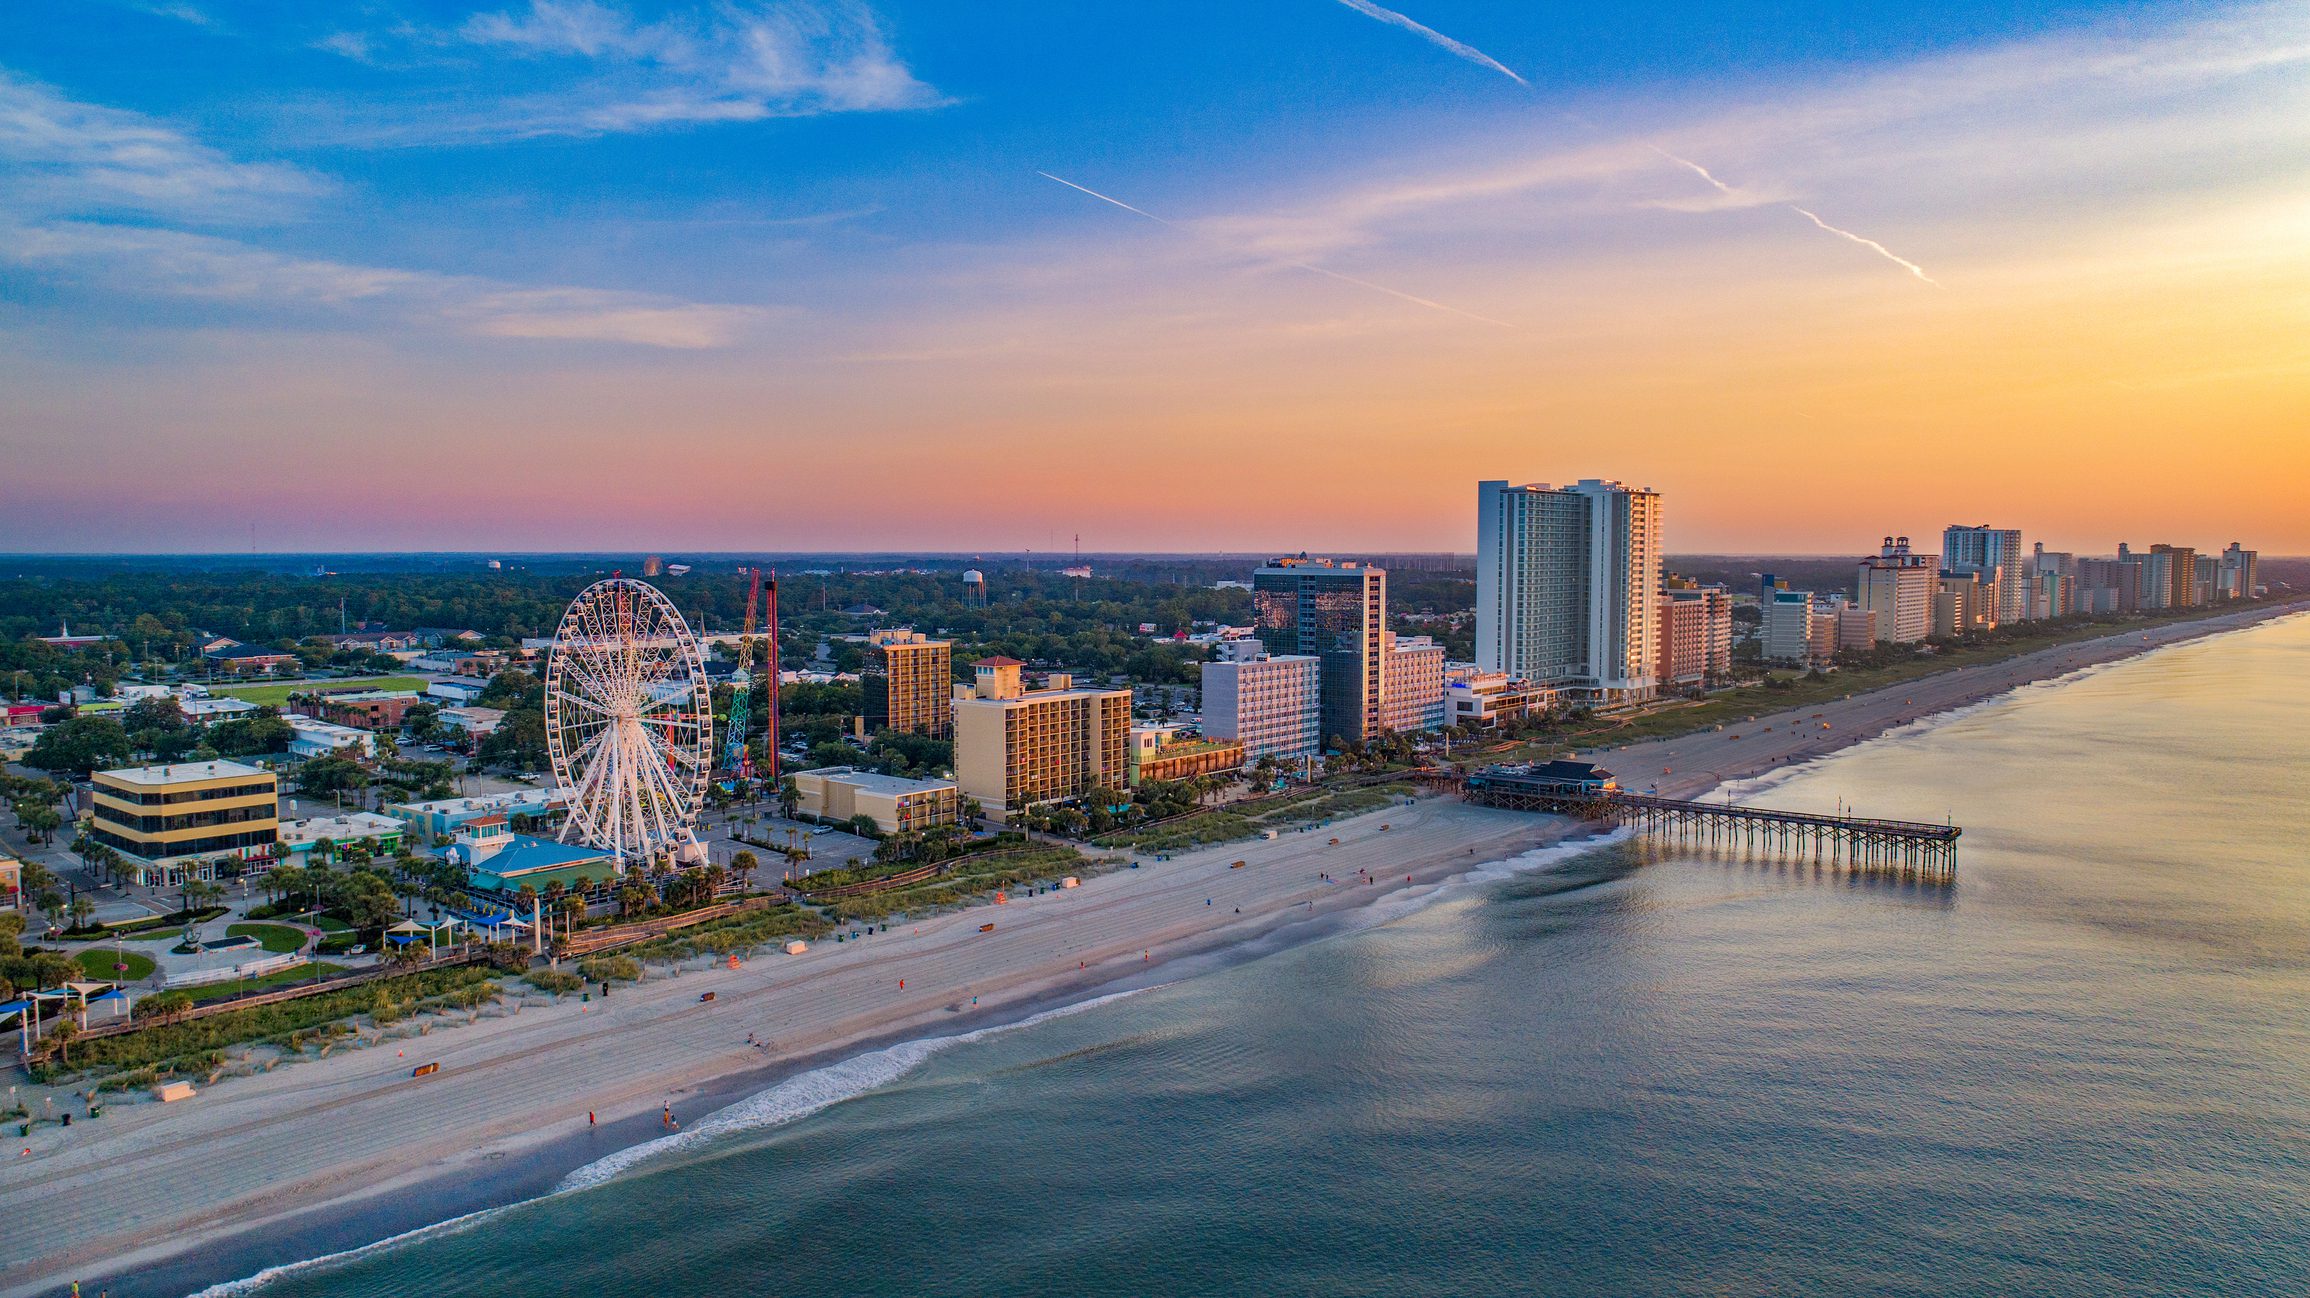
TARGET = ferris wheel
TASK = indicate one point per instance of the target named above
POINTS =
(629, 722)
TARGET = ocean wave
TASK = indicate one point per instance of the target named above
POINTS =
(795, 1098)
(251, 1284)
(807, 1093)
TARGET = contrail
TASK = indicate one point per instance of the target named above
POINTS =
(1881, 250)
(1104, 199)
(1727, 190)
(1437, 38)
(1695, 168)
(1295, 265)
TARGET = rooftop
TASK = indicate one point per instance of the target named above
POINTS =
(875, 782)
(529, 855)
(183, 773)
(998, 661)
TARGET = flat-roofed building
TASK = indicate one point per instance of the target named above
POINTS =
(839, 793)
(369, 709)
(443, 817)
(179, 821)
(1965, 604)
(1787, 628)
(909, 683)
(11, 883)
(1336, 612)
(1412, 684)
(328, 739)
(1568, 586)
(1995, 555)
(1695, 634)
(2240, 574)
(1015, 747)
(1271, 704)
(1160, 754)
(382, 834)
(1483, 699)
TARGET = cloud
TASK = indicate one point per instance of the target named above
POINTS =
(599, 70)
(173, 263)
(1434, 37)
(58, 154)
(1730, 197)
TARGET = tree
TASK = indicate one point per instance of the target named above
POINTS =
(41, 822)
(423, 721)
(161, 712)
(744, 863)
(263, 731)
(789, 796)
(518, 743)
(865, 826)
(325, 775)
(81, 910)
(79, 746)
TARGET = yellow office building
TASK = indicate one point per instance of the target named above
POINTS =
(178, 821)
(1015, 747)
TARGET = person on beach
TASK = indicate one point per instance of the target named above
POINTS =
(589, 1117)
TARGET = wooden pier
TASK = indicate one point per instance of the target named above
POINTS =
(1860, 843)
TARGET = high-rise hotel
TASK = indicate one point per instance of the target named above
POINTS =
(1568, 586)
(1337, 613)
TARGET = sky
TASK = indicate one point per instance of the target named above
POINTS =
(822, 274)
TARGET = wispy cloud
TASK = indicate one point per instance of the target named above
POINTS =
(103, 197)
(590, 68)
(175, 263)
(58, 154)
(1297, 265)
(1436, 38)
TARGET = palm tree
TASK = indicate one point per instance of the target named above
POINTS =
(81, 910)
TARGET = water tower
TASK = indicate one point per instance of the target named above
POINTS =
(974, 586)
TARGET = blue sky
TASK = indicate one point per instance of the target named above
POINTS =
(789, 238)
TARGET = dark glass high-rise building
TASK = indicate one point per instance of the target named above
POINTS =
(1337, 612)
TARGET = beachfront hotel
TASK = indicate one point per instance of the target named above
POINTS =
(177, 822)
(1336, 612)
(1695, 634)
(1412, 683)
(1015, 747)
(1899, 587)
(1568, 586)
(909, 683)
(1994, 555)
(1270, 703)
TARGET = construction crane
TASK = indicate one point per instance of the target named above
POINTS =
(770, 662)
(735, 758)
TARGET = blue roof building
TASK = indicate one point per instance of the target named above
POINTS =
(500, 861)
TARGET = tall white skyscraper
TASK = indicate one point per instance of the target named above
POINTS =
(1568, 585)
(1992, 554)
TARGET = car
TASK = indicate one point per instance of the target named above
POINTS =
(822, 829)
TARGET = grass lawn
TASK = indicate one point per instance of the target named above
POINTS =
(331, 924)
(279, 939)
(97, 962)
(275, 695)
(1249, 819)
(278, 977)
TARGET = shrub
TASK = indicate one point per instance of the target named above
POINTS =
(554, 981)
(610, 969)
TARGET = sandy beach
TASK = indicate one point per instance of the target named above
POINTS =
(273, 1167)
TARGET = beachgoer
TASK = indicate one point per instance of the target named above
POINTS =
(589, 1117)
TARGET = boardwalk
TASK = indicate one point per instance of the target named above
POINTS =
(1892, 846)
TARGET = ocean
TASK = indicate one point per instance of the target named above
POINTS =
(2082, 1069)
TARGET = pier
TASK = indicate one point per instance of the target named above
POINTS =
(1860, 843)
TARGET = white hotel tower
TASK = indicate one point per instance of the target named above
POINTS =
(1568, 586)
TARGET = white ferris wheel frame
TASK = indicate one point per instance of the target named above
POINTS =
(629, 722)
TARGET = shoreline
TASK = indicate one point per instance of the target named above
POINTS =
(478, 1141)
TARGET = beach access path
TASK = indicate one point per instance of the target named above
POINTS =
(149, 1181)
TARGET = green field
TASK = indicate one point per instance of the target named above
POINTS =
(97, 962)
(275, 695)
(279, 939)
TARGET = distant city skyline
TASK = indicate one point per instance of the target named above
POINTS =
(550, 275)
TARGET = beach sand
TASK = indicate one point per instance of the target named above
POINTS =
(332, 1153)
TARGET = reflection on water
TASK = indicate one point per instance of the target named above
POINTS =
(2084, 1069)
